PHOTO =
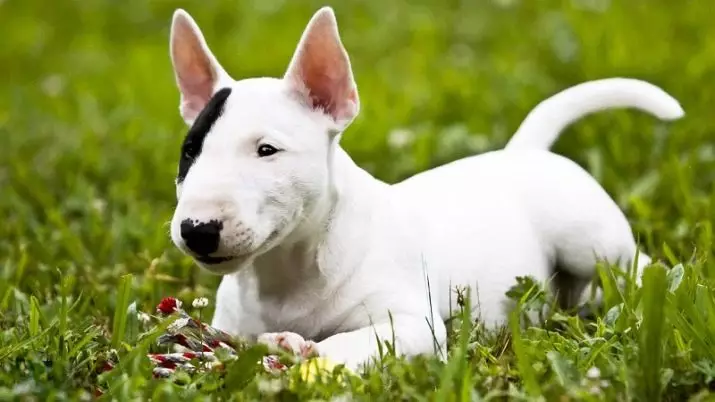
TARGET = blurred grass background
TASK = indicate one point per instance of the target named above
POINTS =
(91, 133)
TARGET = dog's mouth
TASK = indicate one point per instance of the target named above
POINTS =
(209, 260)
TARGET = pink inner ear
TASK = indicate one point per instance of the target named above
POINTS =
(196, 94)
(327, 79)
(196, 80)
(194, 71)
(324, 70)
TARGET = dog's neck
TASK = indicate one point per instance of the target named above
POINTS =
(307, 256)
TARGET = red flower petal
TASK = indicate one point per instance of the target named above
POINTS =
(168, 364)
(168, 305)
(157, 357)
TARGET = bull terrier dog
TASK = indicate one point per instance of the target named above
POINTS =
(318, 257)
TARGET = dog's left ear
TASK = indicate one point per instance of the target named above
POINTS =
(198, 74)
(320, 71)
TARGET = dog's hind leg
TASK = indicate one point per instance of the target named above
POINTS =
(579, 293)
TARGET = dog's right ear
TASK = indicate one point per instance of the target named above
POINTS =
(320, 71)
(198, 74)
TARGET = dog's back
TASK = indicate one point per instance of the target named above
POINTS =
(524, 210)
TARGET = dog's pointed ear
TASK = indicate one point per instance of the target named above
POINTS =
(320, 71)
(197, 72)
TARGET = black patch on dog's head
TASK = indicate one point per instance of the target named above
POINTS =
(194, 140)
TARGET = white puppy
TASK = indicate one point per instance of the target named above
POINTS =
(319, 256)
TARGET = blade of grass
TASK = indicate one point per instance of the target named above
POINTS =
(35, 313)
(120, 313)
(655, 285)
(458, 362)
(522, 359)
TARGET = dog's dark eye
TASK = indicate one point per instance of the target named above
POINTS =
(266, 150)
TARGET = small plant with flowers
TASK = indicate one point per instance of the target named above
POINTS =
(186, 345)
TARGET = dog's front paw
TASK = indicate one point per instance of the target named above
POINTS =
(289, 342)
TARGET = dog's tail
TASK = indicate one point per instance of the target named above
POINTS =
(542, 126)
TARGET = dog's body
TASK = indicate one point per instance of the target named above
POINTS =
(345, 257)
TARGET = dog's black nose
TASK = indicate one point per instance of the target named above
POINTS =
(201, 238)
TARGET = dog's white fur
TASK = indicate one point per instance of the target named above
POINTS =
(323, 251)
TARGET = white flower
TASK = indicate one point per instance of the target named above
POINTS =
(143, 317)
(200, 302)
(132, 308)
(593, 373)
(99, 205)
(54, 84)
(400, 138)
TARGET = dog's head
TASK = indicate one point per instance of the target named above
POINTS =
(256, 161)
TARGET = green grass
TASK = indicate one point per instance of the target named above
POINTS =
(90, 136)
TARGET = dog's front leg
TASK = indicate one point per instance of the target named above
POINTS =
(409, 335)
(236, 314)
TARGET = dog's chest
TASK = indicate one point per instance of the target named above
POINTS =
(302, 315)
(305, 307)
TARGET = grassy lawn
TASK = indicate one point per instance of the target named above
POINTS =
(91, 133)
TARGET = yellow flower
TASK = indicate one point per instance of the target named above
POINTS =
(320, 368)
